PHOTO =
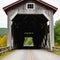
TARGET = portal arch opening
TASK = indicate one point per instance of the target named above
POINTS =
(29, 26)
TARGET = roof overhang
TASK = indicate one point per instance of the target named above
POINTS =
(7, 8)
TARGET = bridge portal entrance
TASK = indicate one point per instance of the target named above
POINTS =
(29, 26)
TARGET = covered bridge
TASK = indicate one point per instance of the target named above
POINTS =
(31, 16)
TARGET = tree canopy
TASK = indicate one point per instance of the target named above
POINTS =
(57, 32)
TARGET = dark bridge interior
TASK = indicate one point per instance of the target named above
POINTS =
(36, 24)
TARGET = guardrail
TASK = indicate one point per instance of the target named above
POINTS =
(4, 49)
(56, 48)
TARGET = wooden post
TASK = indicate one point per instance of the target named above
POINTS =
(9, 42)
(51, 34)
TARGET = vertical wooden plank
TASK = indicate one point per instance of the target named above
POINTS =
(51, 33)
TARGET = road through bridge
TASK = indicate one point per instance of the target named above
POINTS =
(32, 55)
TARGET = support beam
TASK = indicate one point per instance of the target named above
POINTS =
(46, 42)
(46, 34)
(10, 40)
(9, 33)
(51, 34)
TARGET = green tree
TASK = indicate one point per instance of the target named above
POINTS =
(57, 32)
(28, 41)
(3, 31)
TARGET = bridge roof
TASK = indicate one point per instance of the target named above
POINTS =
(7, 8)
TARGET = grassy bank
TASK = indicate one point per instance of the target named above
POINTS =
(57, 53)
(6, 54)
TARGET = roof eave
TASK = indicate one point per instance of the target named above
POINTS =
(39, 1)
(11, 5)
(48, 5)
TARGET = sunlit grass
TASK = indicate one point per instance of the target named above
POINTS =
(57, 53)
(6, 54)
(57, 50)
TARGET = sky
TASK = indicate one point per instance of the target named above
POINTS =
(3, 16)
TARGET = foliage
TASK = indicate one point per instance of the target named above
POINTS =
(3, 31)
(3, 41)
(28, 41)
(57, 33)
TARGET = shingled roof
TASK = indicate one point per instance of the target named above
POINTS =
(39, 1)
